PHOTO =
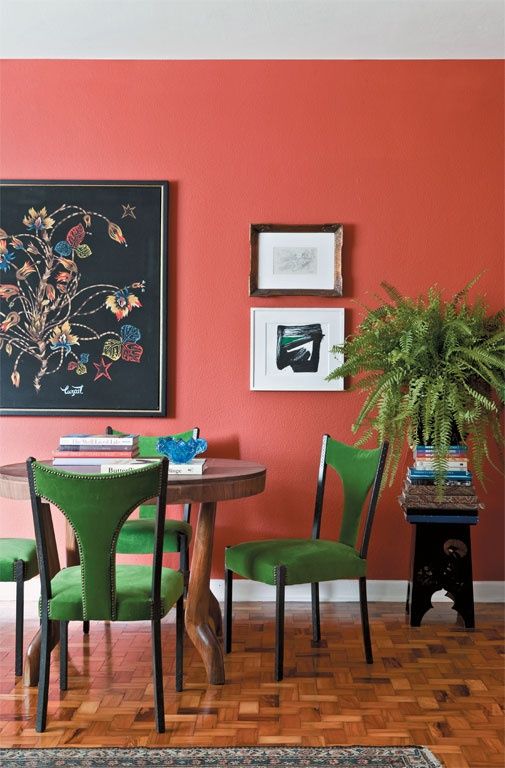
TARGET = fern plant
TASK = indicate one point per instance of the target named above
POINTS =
(433, 372)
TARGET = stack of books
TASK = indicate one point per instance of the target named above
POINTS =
(97, 451)
(423, 471)
(112, 453)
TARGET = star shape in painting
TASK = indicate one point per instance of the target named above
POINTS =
(128, 210)
(102, 369)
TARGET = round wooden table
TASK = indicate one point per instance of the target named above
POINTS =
(223, 480)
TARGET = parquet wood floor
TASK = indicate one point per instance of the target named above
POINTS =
(438, 685)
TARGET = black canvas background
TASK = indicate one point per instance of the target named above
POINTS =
(133, 386)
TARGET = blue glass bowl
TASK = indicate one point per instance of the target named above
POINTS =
(181, 451)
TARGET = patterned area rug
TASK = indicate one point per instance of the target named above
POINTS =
(254, 757)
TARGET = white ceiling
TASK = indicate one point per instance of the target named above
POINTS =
(252, 29)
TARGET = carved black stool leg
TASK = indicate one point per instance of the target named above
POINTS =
(458, 574)
(442, 560)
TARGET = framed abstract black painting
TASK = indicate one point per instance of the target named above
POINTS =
(83, 298)
(292, 348)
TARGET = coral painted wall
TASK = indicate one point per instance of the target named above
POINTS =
(408, 155)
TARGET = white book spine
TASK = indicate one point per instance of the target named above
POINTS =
(187, 471)
(106, 469)
(429, 464)
(97, 440)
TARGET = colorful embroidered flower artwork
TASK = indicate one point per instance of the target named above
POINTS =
(80, 295)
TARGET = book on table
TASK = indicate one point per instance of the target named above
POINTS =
(123, 449)
(86, 449)
(104, 466)
(193, 467)
(81, 440)
(124, 465)
(98, 454)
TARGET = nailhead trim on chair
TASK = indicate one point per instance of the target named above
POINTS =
(14, 568)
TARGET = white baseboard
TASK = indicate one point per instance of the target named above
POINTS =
(346, 591)
(342, 591)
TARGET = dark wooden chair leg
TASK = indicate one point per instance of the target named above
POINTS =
(179, 644)
(364, 620)
(184, 559)
(159, 705)
(19, 570)
(280, 583)
(63, 655)
(85, 627)
(45, 664)
(228, 607)
(316, 621)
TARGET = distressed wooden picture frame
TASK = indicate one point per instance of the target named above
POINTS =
(297, 260)
(83, 298)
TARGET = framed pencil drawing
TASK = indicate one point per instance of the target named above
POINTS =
(291, 349)
(83, 297)
(296, 260)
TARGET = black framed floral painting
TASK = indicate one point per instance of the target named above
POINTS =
(83, 297)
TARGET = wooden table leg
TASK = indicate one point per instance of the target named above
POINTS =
(32, 659)
(198, 603)
(73, 557)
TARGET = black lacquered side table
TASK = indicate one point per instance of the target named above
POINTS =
(441, 557)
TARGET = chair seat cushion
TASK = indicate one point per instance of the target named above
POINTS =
(133, 593)
(17, 549)
(137, 536)
(306, 560)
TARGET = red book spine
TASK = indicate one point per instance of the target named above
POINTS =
(95, 454)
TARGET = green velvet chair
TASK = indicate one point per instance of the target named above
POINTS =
(137, 536)
(96, 506)
(18, 563)
(281, 562)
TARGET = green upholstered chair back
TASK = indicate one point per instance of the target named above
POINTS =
(147, 445)
(147, 449)
(359, 469)
(96, 506)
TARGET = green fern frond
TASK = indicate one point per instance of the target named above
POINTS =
(392, 292)
(486, 402)
(461, 294)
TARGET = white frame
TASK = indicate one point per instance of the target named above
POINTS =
(264, 372)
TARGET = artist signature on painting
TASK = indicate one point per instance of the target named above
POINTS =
(72, 391)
